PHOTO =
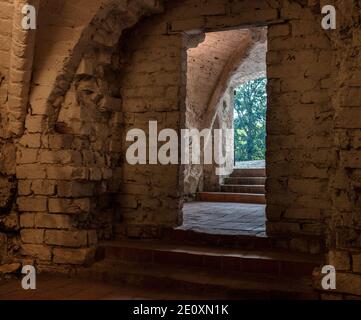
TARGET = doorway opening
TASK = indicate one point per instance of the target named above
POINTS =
(226, 89)
(250, 105)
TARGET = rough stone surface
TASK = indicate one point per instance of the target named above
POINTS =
(10, 268)
(69, 94)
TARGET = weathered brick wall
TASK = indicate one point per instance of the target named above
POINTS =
(152, 88)
(67, 164)
(6, 9)
(300, 153)
(8, 222)
(70, 151)
(70, 160)
(299, 114)
(345, 225)
(299, 118)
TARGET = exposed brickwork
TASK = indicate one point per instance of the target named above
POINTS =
(299, 131)
(61, 180)
(21, 62)
(67, 160)
(345, 226)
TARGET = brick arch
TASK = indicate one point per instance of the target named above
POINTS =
(219, 56)
(150, 199)
(101, 33)
(67, 159)
(239, 55)
(21, 60)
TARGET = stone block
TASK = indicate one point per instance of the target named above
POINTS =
(36, 251)
(25, 156)
(30, 171)
(348, 282)
(33, 236)
(83, 256)
(35, 124)
(303, 213)
(9, 268)
(69, 206)
(53, 221)
(67, 173)
(340, 260)
(43, 187)
(299, 245)
(60, 141)
(74, 189)
(282, 227)
(24, 187)
(27, 220)
(31, 204)
(66, 238)
(61, 157)
(95, 174)
(279, 30)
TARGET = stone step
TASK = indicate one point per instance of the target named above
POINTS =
(235, 188)
(217, 272)
(231, 197)
(256, 172)
(222, 260)
(245, 180)
(284, 243)
(213, 285)
(244, 242)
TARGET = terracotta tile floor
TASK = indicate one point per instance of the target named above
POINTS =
(51, 287)
(224, 218)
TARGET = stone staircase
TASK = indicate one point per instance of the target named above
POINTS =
(243, 186)
(209, 272)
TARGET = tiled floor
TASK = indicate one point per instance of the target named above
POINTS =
(51, 287)
(224, 218)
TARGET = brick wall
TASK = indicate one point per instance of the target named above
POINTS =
(344, 227)
(70, 167)
(300, 153)
(299, 142)
(67, 160)
(152, 90)
(8, 220)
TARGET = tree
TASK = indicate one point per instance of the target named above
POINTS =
(250, 106)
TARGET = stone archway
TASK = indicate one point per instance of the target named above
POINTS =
(153, 87)
(243, 58)
(68, 167)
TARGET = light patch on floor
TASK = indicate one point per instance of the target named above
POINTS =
(250, 164)
(225, 218)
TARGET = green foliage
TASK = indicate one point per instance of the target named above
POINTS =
(250, 120)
